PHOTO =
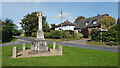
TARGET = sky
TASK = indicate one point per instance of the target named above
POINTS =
(71, 10)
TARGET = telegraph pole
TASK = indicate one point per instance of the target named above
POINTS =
(61, 23)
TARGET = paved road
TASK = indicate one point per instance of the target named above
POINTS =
(81, 41)
(103, 48)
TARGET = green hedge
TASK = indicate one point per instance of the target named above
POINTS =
(6, 36)
(95, 35)
(53, 34)
(110, 35)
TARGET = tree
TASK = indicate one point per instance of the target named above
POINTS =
(30, 23)
(78, 18)
(107, 22)
(8, 29)
(117, 28)
(53, 26)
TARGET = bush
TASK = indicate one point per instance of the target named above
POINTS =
(116, 43)
(111, 43)
(53, 34)
(95, 35)
(47, 35)
(27, 34)
(110, 35)
(79, 35)
(34, 34)
(6, 36)
(68, 34)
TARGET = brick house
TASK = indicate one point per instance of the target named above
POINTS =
(85, 25)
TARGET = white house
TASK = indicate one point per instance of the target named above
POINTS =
(66, 25)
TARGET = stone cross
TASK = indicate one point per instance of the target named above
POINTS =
(14, 52)
(39, 14)
(54, 45)
(40, 33)
(60, 49)
(24, 47)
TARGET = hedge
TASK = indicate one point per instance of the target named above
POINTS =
(110, 35)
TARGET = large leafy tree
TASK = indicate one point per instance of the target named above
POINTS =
(30, 23)
(78, 18)
(107, 22)
(8, 29)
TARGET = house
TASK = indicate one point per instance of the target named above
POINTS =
(85, 25)
(66, 25)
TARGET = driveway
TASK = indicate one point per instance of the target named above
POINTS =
(103, 48)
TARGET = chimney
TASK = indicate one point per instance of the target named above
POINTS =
(67, 20)
(98, 14)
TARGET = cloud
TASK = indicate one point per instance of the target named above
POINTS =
(64, 16)
(18, 24)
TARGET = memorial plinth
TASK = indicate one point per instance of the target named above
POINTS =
(39, 45)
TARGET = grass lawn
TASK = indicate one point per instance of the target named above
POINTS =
(11, 40)
(96, 43)
(72, 57)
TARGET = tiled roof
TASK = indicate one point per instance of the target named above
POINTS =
(66, 23)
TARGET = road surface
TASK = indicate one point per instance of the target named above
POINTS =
(28, 40)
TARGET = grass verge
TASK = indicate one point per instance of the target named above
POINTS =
(72, 57)
(11, 40)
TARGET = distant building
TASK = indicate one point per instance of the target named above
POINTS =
(85, 25)
(66, 25)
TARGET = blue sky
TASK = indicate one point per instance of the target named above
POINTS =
(71, 10)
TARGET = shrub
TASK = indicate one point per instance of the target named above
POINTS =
(47, 35)
(34, 34)
(110, 35)
(5, 36)
(79, 35)
(68, 34)
(111, 43)
(116, 43)
(27, 34)
(95, 35)
(55, 34)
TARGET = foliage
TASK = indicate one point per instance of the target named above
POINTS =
(110, 35)
(53, 26)
(34, 34)
(78, 18)
(47, 35)
(79, 35)
(8, 30)
(95, 35)
(53, 34)
(107, 22)
(30, 23)
(118, 28)
(67, 34)
(111, 43)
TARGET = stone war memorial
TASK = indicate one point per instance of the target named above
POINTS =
(39, 46)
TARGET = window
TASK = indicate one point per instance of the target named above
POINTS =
(86, 23)
(94, 22)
